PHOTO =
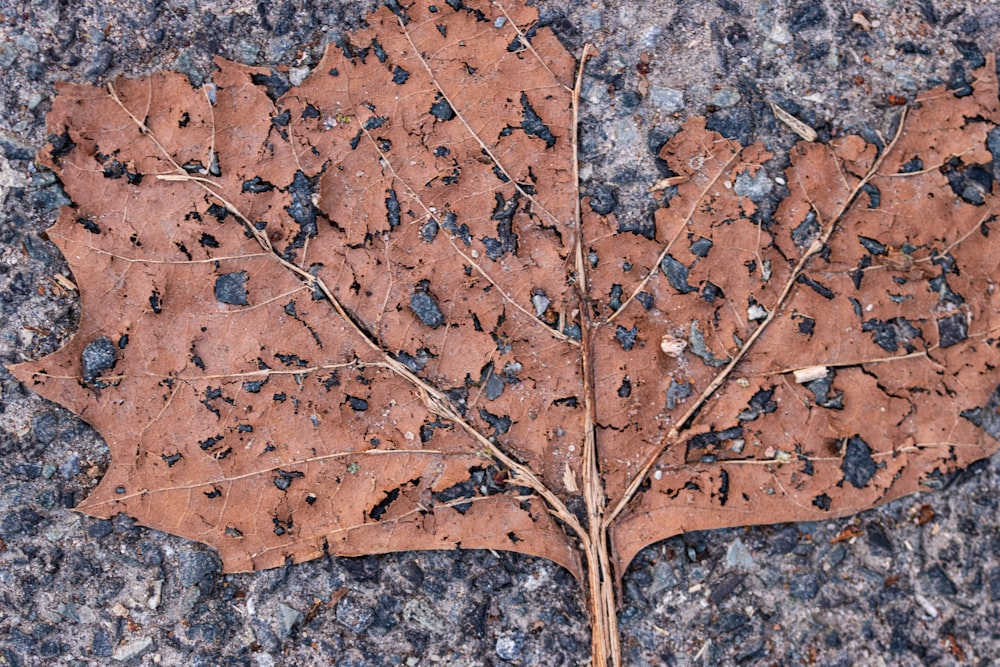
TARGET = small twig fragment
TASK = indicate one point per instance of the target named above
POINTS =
(668, 182)
(798, 127)
(65, 283)
(810, 373)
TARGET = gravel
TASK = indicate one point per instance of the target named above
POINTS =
(920, 584)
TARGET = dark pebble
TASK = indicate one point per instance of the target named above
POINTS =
(878, 539)
(730, 621)
(784, 542)
(970, 53)
(100, 63)
(108, 590)
(960, 83)
(635, 594)
(363, 570)
(626, 337)
(412, 574)
(26, 471)
(426, 309)
(185, 64)
(37, 249)
(807, 15)
(355, 614)
(970, 25)
(643, 226)
(50, 649)
(125, 526)
(97, 357)
(50, 198)
(993, 146)
(603, 199)
(939, 581)
(81, 569)
(899, 621)
(21, 640)
(858, 465)
(804, 549)
(10, 526)
(35, 71)
(196, 566)
(206, 633)
(276, 84)
(12, 150)
(805, 586)
(629, 100)
(991, 414)
(284, 22)
(46, 499)
(151, 554)
(28, 520)
(387, 613)
(100, 645)
(732, 124)
(100, 529)
(724, 588)
(230, 288)
(757, 650)
(836, 555)
(994, 579)
(494, 387)
(493, 580)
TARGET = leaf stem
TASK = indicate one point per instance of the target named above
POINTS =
(605, 645)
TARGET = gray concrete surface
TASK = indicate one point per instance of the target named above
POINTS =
(76, 591)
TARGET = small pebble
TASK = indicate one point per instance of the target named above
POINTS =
(245, 52)
(725, 98)
(196, 565)
(7, 57)
(27, 43)
(805, 586)
(296, 75)
(666, 100)
(510, 645)
(288, 618)
(355, 614)
(756, 186)
(780, 35)
(738, 556)
(132, 649)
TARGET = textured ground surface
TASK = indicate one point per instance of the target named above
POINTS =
(920, 584)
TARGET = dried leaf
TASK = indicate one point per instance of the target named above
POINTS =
(364, 314)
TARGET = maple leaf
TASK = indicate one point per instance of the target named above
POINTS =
(368, 313)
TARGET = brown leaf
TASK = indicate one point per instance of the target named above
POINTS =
(359, 315)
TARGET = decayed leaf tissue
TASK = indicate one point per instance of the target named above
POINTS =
(371, 313)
